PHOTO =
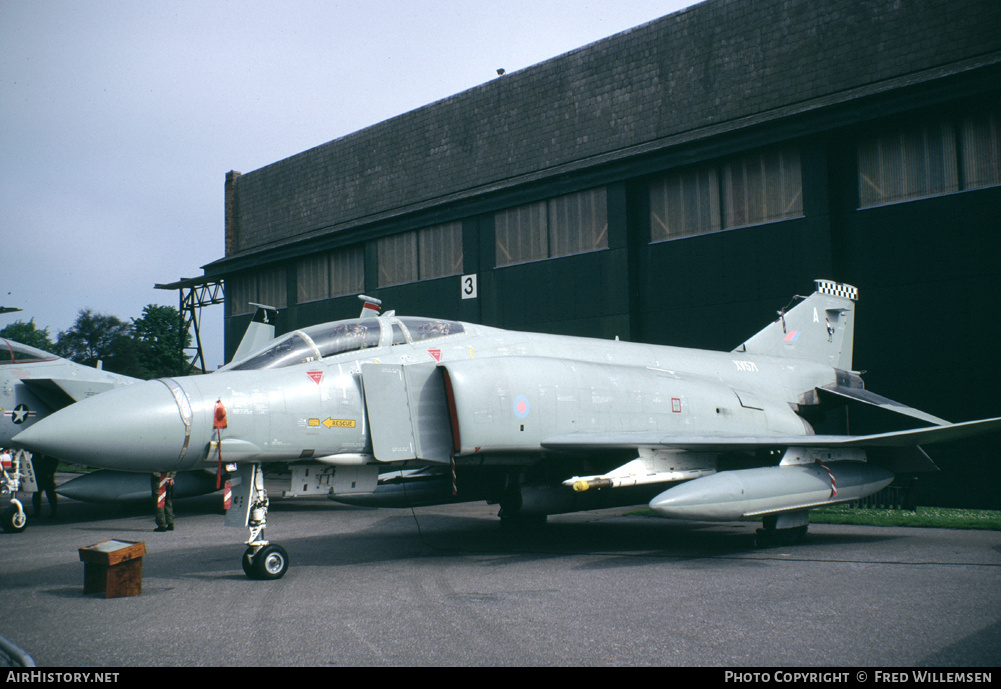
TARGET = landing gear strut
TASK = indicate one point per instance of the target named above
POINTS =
(14, 519)
(261, 559)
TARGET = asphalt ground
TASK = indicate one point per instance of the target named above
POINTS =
(445, 586)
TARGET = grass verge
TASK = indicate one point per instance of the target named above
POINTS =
(934, 517)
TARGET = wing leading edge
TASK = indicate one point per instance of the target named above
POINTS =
(905, 438)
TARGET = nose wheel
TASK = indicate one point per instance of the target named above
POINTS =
(265, 562)
(14, 519)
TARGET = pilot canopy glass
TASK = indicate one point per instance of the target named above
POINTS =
(341, 337)
(17, 353)
(311, 344)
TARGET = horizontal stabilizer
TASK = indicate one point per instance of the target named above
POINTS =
(907, 438)
(872, 399)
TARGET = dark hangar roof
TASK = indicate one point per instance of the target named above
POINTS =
(712, 68)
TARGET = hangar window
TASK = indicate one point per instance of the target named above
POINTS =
(331, 274)
(424, 254)
(685, 203)
(981, 147)
(439, 249)
(760, 187)
(265, 286)
(560, 226)
(930, 158)
(908, 163)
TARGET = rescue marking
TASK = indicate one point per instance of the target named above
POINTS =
(676, 405)
(315, 376)
(339, 423)
(435, 354)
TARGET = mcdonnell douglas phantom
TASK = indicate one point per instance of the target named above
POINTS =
(388, 410)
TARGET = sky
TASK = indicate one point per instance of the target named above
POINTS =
(120, 119)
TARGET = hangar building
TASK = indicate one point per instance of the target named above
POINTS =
(677, 183)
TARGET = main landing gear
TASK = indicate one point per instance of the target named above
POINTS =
(782, 529)
(261, 560)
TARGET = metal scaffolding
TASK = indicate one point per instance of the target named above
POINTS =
(194, 293)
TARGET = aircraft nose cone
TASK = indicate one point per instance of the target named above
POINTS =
(134, 428)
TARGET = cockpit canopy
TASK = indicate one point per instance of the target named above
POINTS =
(17, 353)
(330, 339)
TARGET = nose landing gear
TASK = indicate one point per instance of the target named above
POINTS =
(261, 560)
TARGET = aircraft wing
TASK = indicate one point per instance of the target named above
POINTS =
(717, 443)
(62, 392)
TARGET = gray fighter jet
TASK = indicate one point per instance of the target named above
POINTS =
(33, 384)
(394, 411)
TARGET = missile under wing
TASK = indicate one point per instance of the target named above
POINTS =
(388, 410)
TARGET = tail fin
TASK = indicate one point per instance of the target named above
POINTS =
(820, 328)
(260, 331)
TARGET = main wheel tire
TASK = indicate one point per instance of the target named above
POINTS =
(14, 520)
(270, 562)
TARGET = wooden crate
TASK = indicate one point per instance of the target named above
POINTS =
(114, 568)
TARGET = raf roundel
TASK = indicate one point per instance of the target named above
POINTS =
(521, 406)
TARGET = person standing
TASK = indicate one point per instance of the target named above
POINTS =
(45, 478)
(162, 485)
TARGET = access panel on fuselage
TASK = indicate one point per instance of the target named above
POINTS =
(407, 412)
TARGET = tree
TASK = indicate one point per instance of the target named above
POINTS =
(161, 342)
(29, 334)
(100, 337)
